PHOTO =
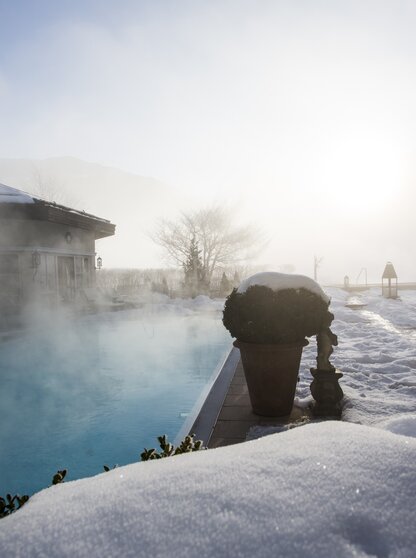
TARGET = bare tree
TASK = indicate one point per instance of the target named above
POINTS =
(219, 240)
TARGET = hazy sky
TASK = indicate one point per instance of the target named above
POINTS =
(302, 111)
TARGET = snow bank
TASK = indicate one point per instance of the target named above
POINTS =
(404, 425)
(162, 304)
(279, 281)
(157, 303)
(322, 490)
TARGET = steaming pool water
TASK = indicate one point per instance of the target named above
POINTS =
(81, 394)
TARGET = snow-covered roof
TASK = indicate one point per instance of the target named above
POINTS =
(16, 202)
(13, 195)
(279, 281)
(321, 490)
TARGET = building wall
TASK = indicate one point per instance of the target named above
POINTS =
(55, 262)
(44, 235)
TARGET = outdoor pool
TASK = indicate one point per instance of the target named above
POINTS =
(82, 393)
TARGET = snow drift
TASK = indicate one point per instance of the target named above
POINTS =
(322, 490)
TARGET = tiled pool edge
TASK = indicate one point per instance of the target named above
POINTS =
(207, 416)
(226, 417)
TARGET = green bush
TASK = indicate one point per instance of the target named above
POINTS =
(262, 315)
(186, 446)
(11, 503)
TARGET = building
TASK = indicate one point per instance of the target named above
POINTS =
(47, 251)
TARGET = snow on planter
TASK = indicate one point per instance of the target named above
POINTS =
(321, 490)
(279, 281)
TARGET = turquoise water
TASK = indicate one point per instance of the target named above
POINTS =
(81, 394)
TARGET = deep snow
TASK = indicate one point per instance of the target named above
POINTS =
(323, 490)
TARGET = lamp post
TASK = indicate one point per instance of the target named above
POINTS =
(99, 262)
(388, 289)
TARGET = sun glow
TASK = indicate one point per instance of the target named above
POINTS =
(363, 175)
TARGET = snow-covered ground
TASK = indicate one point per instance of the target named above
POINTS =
(323, 490)
(376, 353)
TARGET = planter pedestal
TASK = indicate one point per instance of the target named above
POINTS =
(327, 393)
(271, 373)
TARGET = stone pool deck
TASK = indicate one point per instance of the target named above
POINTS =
(226, 416)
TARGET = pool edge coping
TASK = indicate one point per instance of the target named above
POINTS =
(207, 414)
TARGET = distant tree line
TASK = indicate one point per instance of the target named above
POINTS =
(209, 251)
(170, 281)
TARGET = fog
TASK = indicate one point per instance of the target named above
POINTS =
(300, 114)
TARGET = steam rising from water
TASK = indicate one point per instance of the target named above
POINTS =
(79, 393)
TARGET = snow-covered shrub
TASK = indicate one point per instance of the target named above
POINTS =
(263, 315)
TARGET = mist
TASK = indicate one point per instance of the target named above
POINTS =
(300, 115)
(80, 391)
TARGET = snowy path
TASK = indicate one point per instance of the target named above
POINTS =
(377, 355)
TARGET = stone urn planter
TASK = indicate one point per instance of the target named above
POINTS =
(270, 315)
(271, 373)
